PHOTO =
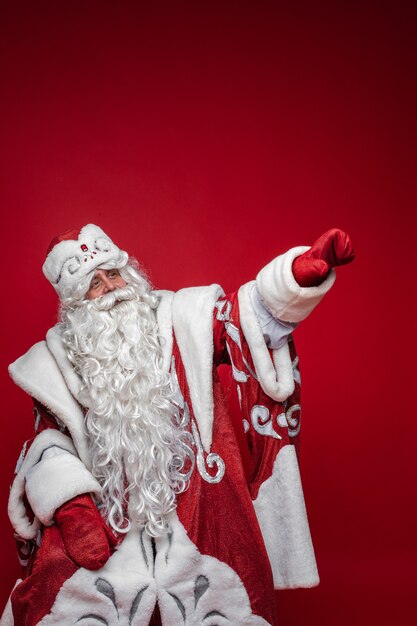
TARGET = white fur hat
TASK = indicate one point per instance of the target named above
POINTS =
(76, 254)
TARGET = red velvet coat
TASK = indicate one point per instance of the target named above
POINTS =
(238, 531)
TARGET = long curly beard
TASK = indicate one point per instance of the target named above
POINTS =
(138, 454)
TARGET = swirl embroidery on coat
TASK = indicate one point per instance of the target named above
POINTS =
(262, 421)
(211, 460)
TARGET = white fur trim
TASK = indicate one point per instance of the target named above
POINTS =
(71, 260)
(57, 348)
(54, 481)
(275, 377)
(282, 517)
(131, 574)
(194, 584)
(192, 316)
(282, 295)
(112, 592)
(164, 319)
(37, 373)
(7, 618)
(16, 508)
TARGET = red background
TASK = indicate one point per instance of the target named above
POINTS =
(206, 138)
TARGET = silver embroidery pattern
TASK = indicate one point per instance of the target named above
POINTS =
(223, 310)
(294, 424)
(233, 333)
(238, 375)
(282, 420)
(286, 420)
(239, 395)
(190, 452)
(296, 371)
(262, 421)
(211, 460)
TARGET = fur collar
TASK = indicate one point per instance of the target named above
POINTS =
(37, 373)
(192, 320)
(46, 373)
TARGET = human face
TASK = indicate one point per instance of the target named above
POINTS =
(104, 281)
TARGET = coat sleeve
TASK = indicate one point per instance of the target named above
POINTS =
(48, 474)
(268, 386)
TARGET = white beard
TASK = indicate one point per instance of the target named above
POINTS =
(138, 453)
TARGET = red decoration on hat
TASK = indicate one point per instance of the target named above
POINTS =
(84, 248)
(68, 234)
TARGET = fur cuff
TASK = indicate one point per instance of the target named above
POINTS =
(37, 373)
(47, 482)
(275, 376)
(282, 295)
(54, 481)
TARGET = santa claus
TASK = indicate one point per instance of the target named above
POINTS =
(132, 504)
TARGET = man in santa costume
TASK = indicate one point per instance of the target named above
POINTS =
(132, 504)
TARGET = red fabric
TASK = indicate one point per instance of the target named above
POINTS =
(262, 450)
(86, 537)
(333, 248)
(71, 234)
(63, 546)
(33, 597)
(27, 549)
(220, 519)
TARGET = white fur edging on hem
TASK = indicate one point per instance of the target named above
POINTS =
(38, 374)
(282, 517)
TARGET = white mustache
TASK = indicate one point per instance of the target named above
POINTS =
(107, 302)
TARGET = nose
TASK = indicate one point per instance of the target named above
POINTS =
(108, 284)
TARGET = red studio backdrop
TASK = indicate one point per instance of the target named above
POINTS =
(206, 138)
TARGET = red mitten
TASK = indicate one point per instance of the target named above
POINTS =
(331, 249)
(86, 538)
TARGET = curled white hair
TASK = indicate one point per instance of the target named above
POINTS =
(138, 453)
